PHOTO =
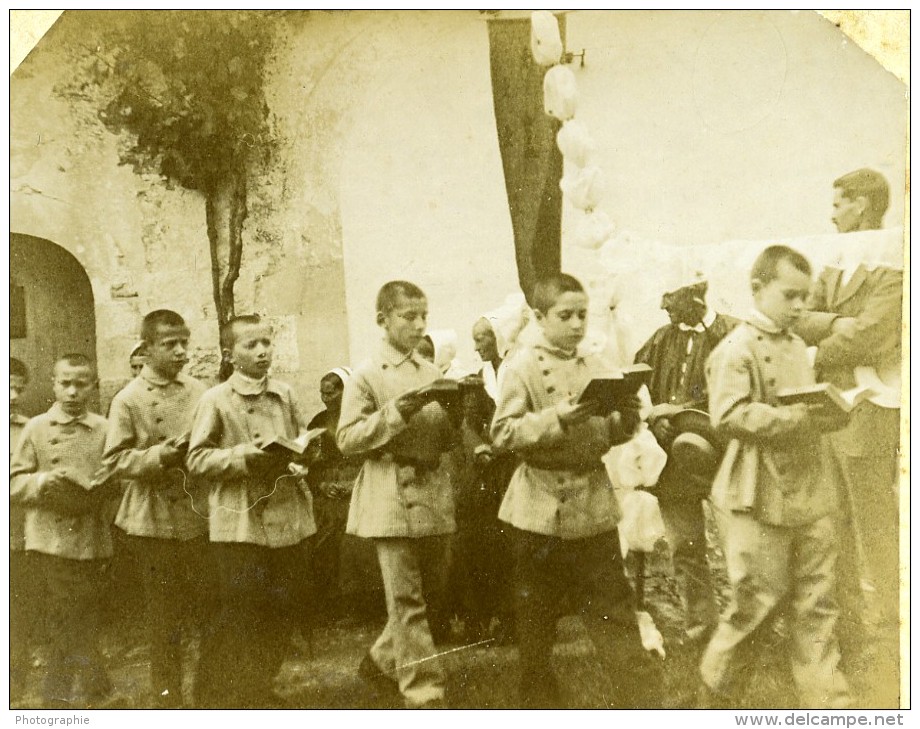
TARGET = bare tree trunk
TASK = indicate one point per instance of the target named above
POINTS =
(225, 210)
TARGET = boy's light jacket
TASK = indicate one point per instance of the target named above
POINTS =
(269, 511)
(157, 501)
(775, 467)
(561, 487)
(56, 440)
(404, 488)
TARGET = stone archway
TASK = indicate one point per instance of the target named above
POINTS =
(51, 313)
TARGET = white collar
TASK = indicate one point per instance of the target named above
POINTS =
(707, 322)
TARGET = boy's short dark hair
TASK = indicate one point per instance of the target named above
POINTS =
(869, 184)
(548, 289)
(764, 268)
(389, 294)
(160, 317)
(19, 369)
(228, 334)
(75, 359)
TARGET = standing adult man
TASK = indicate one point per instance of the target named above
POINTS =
(855, 322)
(677, 353)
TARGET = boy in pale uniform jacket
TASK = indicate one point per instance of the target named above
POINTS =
(67, 533)
(563, 508)
(148, 421)
(774, 495)
(403, 498)
(260, 516)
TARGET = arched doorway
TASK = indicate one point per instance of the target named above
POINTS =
(51, 313)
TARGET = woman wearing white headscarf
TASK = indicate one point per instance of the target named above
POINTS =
(331, 478)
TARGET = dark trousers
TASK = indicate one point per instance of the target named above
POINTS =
(263, 593)
(71, 593)
(588, 574)
(482, 565)
(176, 584)
(331, 516)
(23, 622)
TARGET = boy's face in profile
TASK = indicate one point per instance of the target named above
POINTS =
(564, 323)
(73, 385)
(252, 350)
(782, 300)
(405, 323)
(167, 354)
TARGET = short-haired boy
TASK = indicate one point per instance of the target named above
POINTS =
(563, 507)
(67, 532)
(259, 518)
(149, 424)
(774, 494)
(403, 498)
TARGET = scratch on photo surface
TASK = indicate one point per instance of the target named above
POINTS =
(444, 653)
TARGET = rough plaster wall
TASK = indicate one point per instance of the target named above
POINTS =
(144, 243)
(143, 246)
(294, 226)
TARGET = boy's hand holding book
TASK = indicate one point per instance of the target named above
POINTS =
(173, 452)
(279, 452)
(71, 493)
(409, 403)
(825, 406)
(262, 462)
(571, 412)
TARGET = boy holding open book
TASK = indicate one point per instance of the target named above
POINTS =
(561, 507)
(774, 495)
(260, 516)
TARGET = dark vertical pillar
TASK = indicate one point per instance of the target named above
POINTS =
(527, 141)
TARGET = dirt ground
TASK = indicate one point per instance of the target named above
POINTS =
(321, 672)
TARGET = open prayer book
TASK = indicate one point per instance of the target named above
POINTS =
(291, 447)
(613, 389)
(79, 493)
(444, 391)
(829, 397)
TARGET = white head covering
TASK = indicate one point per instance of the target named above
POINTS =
(343, 373)
(445, 347)
(507, 321)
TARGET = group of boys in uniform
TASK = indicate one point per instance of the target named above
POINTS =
(220, 525)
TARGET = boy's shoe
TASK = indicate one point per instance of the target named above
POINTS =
(370, 673)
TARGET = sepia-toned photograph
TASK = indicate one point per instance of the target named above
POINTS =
(468, 359)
